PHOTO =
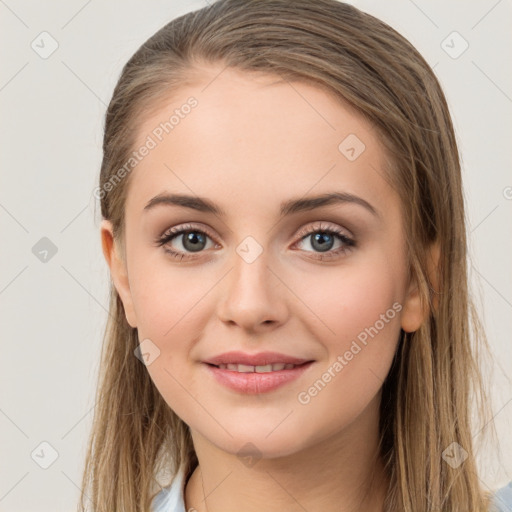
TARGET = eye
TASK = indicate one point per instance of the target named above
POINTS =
(189, 237)
(323, 240)
(195, 240)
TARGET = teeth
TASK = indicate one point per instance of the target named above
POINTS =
(244, 368)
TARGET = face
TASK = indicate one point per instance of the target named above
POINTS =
(261, 268)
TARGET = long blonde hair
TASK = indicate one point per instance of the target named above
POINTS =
(137, 442)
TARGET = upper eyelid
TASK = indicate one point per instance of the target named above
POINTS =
(180, 229)
(324, 226)
(301, 233)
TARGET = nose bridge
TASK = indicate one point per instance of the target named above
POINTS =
(252, 295)
(251, 267)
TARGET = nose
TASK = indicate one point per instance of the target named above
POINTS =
(253, 295)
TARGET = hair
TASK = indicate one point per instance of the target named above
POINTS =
(435, 378)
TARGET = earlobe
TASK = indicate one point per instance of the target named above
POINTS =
(413, 314)
(118, 270)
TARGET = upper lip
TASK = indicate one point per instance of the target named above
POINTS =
(259, 359)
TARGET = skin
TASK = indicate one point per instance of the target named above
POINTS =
(252, 142)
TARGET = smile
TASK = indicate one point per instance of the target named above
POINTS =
(258, 379)
(244, 368)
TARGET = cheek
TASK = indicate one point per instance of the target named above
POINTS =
(166, 298)
(360, 335)
(173, 306)
(172, 309)
(357, 320)
(344, 301)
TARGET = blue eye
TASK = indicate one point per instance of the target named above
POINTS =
(194, 240)
(322, 239)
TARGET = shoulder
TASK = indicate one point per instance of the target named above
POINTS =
(171, 498)
(502, 499)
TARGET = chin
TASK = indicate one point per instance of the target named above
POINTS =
(253, 446)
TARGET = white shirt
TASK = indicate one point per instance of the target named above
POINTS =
(171, 498)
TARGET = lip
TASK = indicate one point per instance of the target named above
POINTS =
(258, 359)
(253, 383)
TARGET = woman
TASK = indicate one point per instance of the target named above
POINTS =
(290, 320)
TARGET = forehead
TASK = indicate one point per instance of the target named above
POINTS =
(254, 140)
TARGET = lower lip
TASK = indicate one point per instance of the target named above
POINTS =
(256, 383)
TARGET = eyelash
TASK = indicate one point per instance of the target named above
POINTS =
(328, 255)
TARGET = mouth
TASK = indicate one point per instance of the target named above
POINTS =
(256, 379)
(267, 368)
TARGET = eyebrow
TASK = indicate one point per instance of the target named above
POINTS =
(287, 207)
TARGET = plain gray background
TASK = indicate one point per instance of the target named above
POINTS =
(53, 312)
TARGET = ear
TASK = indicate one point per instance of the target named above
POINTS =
(118, 270)
(413, 315)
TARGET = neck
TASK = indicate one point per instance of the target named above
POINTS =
(341, 473)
